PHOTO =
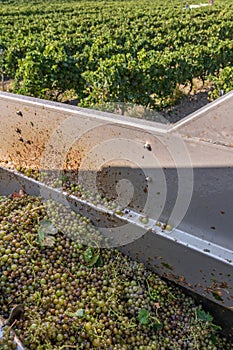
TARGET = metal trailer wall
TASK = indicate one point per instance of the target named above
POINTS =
(179, 174)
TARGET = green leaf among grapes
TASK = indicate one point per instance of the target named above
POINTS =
(88, 254)
(91, 257)
(40, 236)
(156, 325)
(47, 227)
(143, 316)
(79, 313)
(99, 262)
(46, 231)
(94, 260)
(204, 316)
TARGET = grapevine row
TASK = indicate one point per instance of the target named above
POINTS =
(124, 51)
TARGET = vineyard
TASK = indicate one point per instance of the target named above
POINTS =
(108, 51)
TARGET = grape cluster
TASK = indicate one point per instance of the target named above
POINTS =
(80, 297)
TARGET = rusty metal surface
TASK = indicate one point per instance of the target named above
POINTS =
(28, 124)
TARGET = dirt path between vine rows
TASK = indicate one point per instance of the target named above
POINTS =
(187, 105)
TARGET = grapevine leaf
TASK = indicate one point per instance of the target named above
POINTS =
(143, 316)
(46, 231)
(213, 339)
(204, 316)
(156, 325)
(99, 262)
(40, 236)
(93, 260)
(79, 313)
(48, 228)
(91, 257)
(88, 255)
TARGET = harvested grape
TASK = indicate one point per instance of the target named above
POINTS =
(82, 297)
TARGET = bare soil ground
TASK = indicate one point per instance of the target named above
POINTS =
(190, 101)
(187, 105)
